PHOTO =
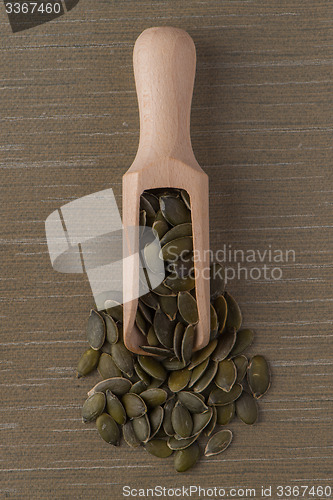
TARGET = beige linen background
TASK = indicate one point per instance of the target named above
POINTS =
(262, 130)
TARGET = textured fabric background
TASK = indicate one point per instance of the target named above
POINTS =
(262, 130)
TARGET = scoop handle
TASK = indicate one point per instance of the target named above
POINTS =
(164, 60)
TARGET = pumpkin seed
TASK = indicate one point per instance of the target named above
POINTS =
(181, 420)
(151, 337)
(115, 408)
(258, 376)
(106, 347)
(219, 398)
(118, 385)
(200, 356)
(164, 329)
(95, 330)
(112, 333)
(155, 383)
(152, 367)
(158, 448)
(122, 358)
(206, 378)
(212, 423)
(181, 444)
(167, 423)
(155, 419)
(140, 322)
(192, 402)
(154, 397)
(247, 409)
(176, 232)
(234, 316)
(141, 373)
(138, 387)
(224, 414)
(129, 435)
(142, 219)
(226, 341)
(187, 344)
(153, 200)
(221, 308)
(244, 339)
(141, 427)
(88, 362)
(179, 379)
(152, 257)
(107, 367)
(216, 280)
(182, 267)
(159, 217)
(134, 405)
(198, 371)
(108, 429)
(150, 212)
(226, 375)
(241, 363)
(177, 340)
(201, 420)
(150, 300)
(175, 248)
(214, 324)
(177, 284)
(162, 289)
(185, 459)
(218, 443)
(173, 364)
(187, 306)
(161, 227)
(114, 309)
(146, 313)
(93, 407)
(169, 306)
(174, 210)
(186, 198)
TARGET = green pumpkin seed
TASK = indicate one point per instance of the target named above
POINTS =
(129, 435)
(153, 200)
(150, 212)
(140, 322)
(176, 232)
(212, 423)
(217, 280)
(174, 249)
(185, 459)
(234, 316)
(188, 309)
(179, 379)
(93, 407)
(247, 409)
(141, 373)
(181, 420)
(197, 372)
(164, 329)
(226, 375)
(146, 313)
(138, 387)
(181, 444)
(158, 448)
(174, 210)
(187, 344)
(201, 420)
(155, 418)
(115, 408)
(152, 367)
(152, 257)
(118, 385)
(224, 414)
(219, 398)
(162, 290)
(114, 309)
(134, 405)
(112, 333)
(106, 347)
(123, 358)
(167, 423)
(192, 402)
(221, 309)
(141, 427)
(258, 376)
(173, 364)
(186, 198)
(142, 218)
(169, 306)
(176, 284)
(151, 337)
(162, 352)
(154, 397)
(88, 362)
(161, 227)
(226, 341)
(244, 339)
(107, 367)
(150, 300)
(155, 383)
(200, 356)
(206, 378)
(177, 340)
(182, 267)
(214, 324)
(218, 443)
(159, 218)
(241, 363)
(108, 429)
(95, 330)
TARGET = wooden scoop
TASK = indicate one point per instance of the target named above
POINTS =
(164, 67)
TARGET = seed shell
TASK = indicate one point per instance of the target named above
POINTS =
(201, 420)
(112, 333)
(226, 341)
(181, 420)
(167, 423)
(108, 429)
(118, 385)
(192, 402)
(122, 358)
(221, 308)
(197, 372)
(206, 378)
(138, 387)
(141, 427)
(185, 459)
(150, 300)
(152, 367)
(247, 408)
(115, 408)
(212, 423)
(158, 448)
(169, 306)
(141, 373)
(226, 375)
(173, 364)
(162, 352)
(258, 376)
(93, 407)
(176, 232)
(153, 200)
(107, 367)
(188, 309)
(187, 344)
(177, 340)
(95, 330)
(219, 398)
(218, 443)
(151, 337)
(224, 414)
(244, 339)
(164, 328)
(181, 444)
(88, 362)
(161, 227)
(154, 397)
(241, 363)
(179, 379)
(134, 405)
(129, 435)
(234, 316)
(155, 418)
(174, 210)
(200, 356)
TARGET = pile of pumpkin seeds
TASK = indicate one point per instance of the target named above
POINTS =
(168, 399)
